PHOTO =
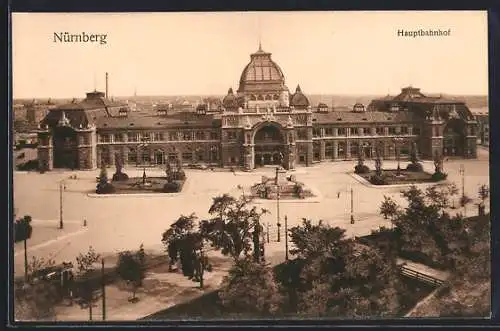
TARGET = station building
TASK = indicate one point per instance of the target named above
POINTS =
(261, 123)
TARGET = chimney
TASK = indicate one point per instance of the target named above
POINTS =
(106, 85)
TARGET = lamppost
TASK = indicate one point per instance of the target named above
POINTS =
(352, 206)
(397, 140)
(62, 187)
(462, 173)
(278, 204)
(144, 143)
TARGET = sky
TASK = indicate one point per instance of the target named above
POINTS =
(356, 53)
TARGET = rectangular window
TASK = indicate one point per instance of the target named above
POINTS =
(392, 130)
(342, 131)
(379, 131)
(354, 131)
(316, 132)
(404, 130)
(231, 135)
(329, 132)
(302, 134)
(132, 156)
(214, 135)
(200, 135)
(118, 137)
(186, 135)
(158, 136)
(416, 131)
(146, 157)
(172, 156)
(132, 136)
(172, 136)
(105, 138)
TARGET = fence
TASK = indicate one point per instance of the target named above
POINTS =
(418, 276)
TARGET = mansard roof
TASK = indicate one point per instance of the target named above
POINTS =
(339, 117)
(180, 119)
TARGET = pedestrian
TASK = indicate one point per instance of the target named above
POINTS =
(338, 195)
(84, 222)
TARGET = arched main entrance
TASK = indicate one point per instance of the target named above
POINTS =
(454, 138)
(269, 146)
(65, 148)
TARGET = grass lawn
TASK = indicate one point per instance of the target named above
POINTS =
(135, 185)
(407, 177)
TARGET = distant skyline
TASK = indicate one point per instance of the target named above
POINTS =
(155, 54)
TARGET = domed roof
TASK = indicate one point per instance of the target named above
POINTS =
(298, 99)
(231, 100)
(261, 68)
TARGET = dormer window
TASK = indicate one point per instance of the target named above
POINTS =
(123, 112)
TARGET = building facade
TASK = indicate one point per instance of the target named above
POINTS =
(260, 124)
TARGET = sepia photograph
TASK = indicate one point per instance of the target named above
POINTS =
(250, 165)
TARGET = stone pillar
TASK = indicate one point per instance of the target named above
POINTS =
(322, 150)
(335, 150)
(348, 149)
(249, 157)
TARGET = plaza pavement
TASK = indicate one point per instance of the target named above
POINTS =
(124, 222)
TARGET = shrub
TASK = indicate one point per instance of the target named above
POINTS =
(119, 176)
(378, 180)
(28, 166)
(105, 188)
(171, 187)
(361, 169)
(181, 175)
(438, 176)
(415, 167)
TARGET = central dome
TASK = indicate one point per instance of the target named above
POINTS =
(261, 70)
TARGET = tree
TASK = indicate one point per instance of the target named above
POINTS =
(186, 245)
(336, 276)
(440, 195)
(234, 226)
(103, 175)
(378, 162)
(36, 299)
(86, 283)
(22, 232)
(119, 174)
(438, 168)
(131, 268)
(251, 287)
(168, 172)
(389, 208)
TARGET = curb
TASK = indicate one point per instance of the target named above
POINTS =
(363, 181)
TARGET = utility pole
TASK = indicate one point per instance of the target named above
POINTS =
(267, 232)
(286, 238)
(61, 188)
(103, 291)
(462, 172)
(463, 202)
(352, 207)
